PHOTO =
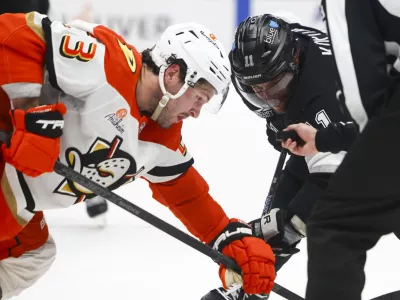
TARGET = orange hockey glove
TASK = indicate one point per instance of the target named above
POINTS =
(252, 254)
(35, 144)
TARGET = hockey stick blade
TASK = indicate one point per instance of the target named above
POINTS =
(216, 256)
(142, 214)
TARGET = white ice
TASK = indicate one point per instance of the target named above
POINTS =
(131, 260)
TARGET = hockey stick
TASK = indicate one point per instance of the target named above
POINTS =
(274, 183)
(216, 256)
(285, 293)
(280, 136)
(278, 289)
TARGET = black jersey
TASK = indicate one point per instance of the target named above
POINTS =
(313, 100)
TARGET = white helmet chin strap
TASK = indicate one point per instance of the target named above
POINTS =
(166, 96)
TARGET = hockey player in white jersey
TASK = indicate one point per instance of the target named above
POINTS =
(118, 118)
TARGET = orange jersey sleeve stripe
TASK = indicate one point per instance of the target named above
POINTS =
(22, 49)
(188, 199)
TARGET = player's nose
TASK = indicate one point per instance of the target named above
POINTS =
(195, 112)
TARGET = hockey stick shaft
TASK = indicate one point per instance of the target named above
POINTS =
(285, 293)
(216, 256)
(274, 183)
(280, 290)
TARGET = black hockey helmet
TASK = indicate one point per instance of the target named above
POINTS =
(263, 61)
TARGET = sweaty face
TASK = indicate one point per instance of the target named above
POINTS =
(188, 105)
(274, 93)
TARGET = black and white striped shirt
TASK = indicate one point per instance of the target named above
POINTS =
(365, 36)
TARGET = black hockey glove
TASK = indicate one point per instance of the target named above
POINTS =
(278, 231)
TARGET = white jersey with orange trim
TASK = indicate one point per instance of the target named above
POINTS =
(94, 73)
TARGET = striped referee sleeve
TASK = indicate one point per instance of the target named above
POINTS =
(358, 31)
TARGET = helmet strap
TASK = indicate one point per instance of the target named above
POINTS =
(166, 95)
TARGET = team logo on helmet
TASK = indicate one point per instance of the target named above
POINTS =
(213, 37)
(272, 32)
(273, 24)
(210, 38)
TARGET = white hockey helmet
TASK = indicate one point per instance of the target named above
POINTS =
(204, 56)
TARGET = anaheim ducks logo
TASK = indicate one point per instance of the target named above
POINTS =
(104, 164)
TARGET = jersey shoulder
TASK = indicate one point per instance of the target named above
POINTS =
(317, 37)
(85, 56)
(122, 62)
(22, 49)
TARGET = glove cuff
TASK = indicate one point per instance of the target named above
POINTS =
(299, 225)
(235, 230)
(273, 224)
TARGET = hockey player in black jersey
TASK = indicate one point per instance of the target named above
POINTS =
(285, 74)
(362, 200)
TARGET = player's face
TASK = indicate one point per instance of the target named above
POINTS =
(188, 105)
(275, 93)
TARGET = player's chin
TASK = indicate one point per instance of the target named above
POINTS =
(167, 123)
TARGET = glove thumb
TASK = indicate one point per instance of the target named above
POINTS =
(229, 277)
